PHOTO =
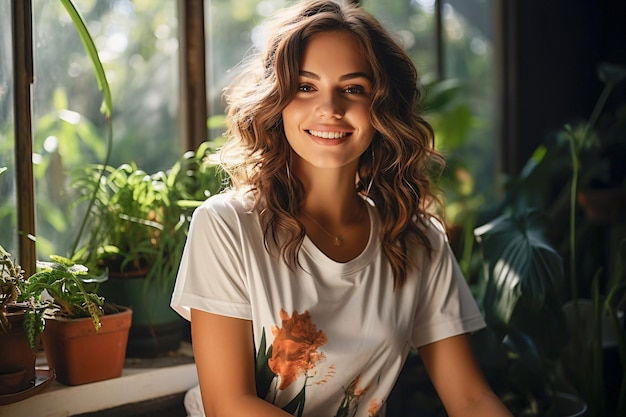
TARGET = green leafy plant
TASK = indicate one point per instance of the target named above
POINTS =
(452, 121)
(107, 103)
(124, 221)
(12, 282)
(522, 276)
(60, 289)
(597, 151)
(550, 348)
(139, 221)
(15, 297)
(587, 154)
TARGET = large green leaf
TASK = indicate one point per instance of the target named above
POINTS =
(441, 93)
(264, 375)
(520, 262)
(107, 101)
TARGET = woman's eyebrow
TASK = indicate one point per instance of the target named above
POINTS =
(345, 77)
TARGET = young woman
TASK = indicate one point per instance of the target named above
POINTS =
(308, 282)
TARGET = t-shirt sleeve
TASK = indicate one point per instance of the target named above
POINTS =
(446, 306)
(211, 275)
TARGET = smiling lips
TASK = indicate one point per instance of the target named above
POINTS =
(327, 134)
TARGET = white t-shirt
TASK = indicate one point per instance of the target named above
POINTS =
(329, 337)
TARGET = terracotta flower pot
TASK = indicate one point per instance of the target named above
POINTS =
(17, 360)
(79, 355)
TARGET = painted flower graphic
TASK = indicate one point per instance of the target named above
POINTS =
(374, 408)
(295, 347)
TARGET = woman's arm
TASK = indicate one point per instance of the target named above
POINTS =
(224, 354)
(458, 380)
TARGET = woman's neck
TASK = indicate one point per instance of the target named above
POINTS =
(332, 195)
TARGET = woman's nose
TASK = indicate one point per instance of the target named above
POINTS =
(329, 106)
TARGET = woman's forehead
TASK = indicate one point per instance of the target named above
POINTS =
(335, 51)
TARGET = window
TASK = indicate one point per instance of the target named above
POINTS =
(138, 43)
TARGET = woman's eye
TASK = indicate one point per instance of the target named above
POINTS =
(354, 89)
(305, 88)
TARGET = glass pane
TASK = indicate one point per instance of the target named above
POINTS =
(137, 42)
(413, 22)
(464, 125)
(8, 222)
(230, 30)
(230, 27)
(469, 57)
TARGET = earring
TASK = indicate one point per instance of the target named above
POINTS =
(369, 186)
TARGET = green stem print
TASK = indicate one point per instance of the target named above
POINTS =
(350, 403)
(293, 354)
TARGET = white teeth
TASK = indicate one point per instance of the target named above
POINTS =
(328, 135)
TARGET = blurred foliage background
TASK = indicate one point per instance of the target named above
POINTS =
(138, 44)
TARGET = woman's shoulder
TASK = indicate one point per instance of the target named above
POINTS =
(239, 201)
(429, 227)
(228, 205)
(433, 229)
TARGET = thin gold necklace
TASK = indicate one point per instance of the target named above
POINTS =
(336, 239)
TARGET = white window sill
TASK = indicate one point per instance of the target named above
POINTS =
(141, 380)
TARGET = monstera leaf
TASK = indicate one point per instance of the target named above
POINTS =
(519, 262)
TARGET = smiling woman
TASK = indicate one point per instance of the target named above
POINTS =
(326, 261)
(328, 127)
(331, 107)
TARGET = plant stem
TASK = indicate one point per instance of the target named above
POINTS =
(107, 103)
(575, 149)
(95, 189)
(572, 216)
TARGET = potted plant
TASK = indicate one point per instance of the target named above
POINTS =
(139, 224)
(596, 351)
(518, 288)
(570, 163)
(520, 298)
(84, 338)
(17, 362)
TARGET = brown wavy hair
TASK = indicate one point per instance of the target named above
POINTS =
(256, 156)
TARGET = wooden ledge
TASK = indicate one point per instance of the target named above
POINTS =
(142, 380)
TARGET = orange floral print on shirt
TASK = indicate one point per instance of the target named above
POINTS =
(374, 408)
(295, 347)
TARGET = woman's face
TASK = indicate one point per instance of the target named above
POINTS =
(327, 123)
